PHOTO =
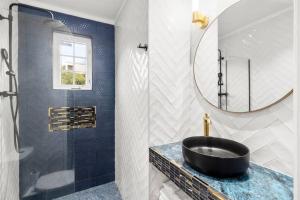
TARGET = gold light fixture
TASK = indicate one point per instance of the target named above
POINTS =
(200, 19)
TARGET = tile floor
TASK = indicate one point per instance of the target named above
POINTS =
(107, 191)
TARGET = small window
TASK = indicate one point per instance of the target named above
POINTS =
(72, 62)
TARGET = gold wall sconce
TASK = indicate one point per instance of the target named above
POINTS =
(200, 19)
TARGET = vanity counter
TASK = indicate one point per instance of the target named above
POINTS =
(258, 183)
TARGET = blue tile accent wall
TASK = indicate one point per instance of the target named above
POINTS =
(89, 152)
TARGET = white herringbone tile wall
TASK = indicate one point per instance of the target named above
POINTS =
(131, 128)
(169, 70)
(176, 109)
(170, 86)
(9, 164)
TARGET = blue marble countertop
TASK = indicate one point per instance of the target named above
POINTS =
(258, 183)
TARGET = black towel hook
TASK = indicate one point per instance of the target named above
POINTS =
(145, 46)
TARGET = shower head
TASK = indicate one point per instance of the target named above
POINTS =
(55, 24)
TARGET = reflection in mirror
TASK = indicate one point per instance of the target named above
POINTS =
(245, 57)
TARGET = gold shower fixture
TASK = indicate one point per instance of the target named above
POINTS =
(200, 19)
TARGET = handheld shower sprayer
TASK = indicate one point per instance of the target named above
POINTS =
(4, 55)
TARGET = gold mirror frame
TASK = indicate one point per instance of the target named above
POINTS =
(198, 89)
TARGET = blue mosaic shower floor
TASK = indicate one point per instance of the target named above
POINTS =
(107, 191)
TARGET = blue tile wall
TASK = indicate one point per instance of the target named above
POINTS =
(89, 152)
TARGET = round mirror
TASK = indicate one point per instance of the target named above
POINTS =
(244, 61)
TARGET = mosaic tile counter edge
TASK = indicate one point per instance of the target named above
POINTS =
(258, 184)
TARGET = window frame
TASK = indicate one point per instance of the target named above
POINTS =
(58, 38)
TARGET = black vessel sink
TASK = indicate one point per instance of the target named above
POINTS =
(216, 156)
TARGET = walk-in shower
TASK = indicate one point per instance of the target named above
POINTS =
(59, 72)
(227, 95)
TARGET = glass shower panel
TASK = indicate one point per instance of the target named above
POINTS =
(49, 93)
(238, 84)
(47, 170)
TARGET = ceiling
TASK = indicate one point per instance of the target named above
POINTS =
(248, 11)
(105, 11)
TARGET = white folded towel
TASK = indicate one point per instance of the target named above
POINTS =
(168, 196)
(170, 191)
(170, 187)
(182, 195)
(162, 196)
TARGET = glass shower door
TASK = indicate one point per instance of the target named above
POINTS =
(44, 118)
(238, 84)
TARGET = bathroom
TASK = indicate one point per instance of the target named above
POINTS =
(149, 99)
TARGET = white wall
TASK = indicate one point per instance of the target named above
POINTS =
(131, 114)
(176, 110)
(9, 164)
(170, 83)
(169, 70)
